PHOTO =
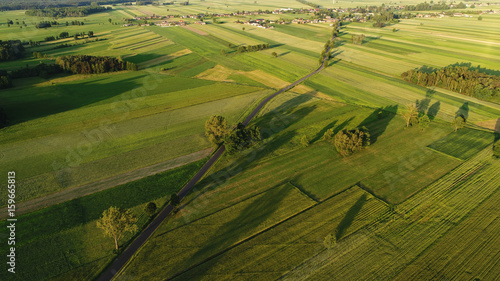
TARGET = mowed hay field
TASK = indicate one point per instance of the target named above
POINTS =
(263, 213)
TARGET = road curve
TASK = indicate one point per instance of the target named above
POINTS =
(129, 252)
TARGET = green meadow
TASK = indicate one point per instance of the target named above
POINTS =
(416, 204)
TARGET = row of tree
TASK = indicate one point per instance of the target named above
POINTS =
(309, 4)
(83, 64)
(330, 44)
(66, 11)
(457, 78)
(234, 139)
(252, 48)
(11, 50)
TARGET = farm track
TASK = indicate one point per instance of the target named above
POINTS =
(120, 262)
(107, 183)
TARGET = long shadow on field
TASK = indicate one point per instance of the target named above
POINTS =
(463, 111)
(236, 229)
(433, 110)
(497, 130)
(272, 125)
(63, 97)
(349, 217)
(337, 129)
(377, 122)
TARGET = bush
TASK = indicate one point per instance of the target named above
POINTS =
(350, 141)
(330, 241)
(304, 141)
(496, 150)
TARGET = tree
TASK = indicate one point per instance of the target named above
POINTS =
(91, 34)
(150, 209)
(116, 221)
(174, 201)
(349, 141)
(216, 129)
(410, 115)
(110, 20)
(243, 29)
(274, 54)
(423, 122)
(222, 52)
(329, 135)
(459, 122)
(241, 138)
(480, 18)
(330, 241)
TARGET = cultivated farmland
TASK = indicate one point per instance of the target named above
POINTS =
(418, 203)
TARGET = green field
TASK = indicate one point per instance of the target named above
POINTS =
(416, 204)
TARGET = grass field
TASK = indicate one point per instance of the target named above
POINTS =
(464, 144)
(414, 205)
(71, 244)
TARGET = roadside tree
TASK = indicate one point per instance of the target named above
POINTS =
(116, 222)
(216, 129)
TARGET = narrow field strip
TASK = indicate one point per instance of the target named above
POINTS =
(83, 190)
(163, 59)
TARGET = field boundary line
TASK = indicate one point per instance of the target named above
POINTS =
(55, 198)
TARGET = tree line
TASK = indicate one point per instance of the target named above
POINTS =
(66, 11)
(309, 4)
(457, 78)
(78, 64)
(11, 50)
(252, 48)
(330, 44)
(42, 4)
(84, 64)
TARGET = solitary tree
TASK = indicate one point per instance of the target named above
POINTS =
(423, 122)
(459, 122)
(91, 33)
(110, 20)
(215, 129)
(410, 115)
(116, 221)
(150, 209)
(274, 54)
(222, 52)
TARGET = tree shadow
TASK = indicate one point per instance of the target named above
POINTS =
(427, 69)
(349, 217)
(64, 97)
(497, 130)
(423, 104)
(283, 54)
(477, 68)
(240, 227)
(377, 122)
(337, 129)
(463, 111)
(430, 93)
(272, 124)
(433, 110)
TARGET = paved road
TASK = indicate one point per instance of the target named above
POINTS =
(129, 252)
